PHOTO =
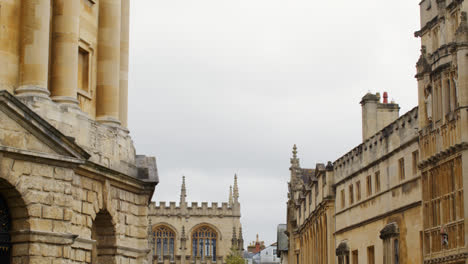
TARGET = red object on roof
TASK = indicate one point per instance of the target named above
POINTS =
(385, 98)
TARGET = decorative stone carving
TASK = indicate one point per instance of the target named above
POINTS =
(390, 230)
(342, 249)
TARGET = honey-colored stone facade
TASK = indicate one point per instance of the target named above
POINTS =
(72, 189)
(442, 74)
(399, 196)
(183, 220)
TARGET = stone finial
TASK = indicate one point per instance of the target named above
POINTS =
(423, 66)
(234, 238)
(294, 159)
(183, 192)
(235, 190)
(230, 196)
(240, 240)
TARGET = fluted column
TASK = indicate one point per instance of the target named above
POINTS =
(124, 43)
(108, 76)
(34, 49)
(65, 34)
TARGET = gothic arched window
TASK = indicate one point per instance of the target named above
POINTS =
(204, 243)
(164, 239)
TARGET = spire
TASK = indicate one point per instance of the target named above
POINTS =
(240, 241)
(234, 238)
(294, 159)
(183, 192)
(230, 196)
(236, 190)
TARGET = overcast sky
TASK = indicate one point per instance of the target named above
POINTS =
(219, 87)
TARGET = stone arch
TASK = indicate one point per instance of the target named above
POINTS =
(164, 241)
(204, 242)
(103, 232)
(176, 232)
(14, 213)
(216, 229)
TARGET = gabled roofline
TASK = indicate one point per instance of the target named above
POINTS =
(27, 116)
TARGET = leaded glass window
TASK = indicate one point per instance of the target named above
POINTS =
(204, 243)
(165, 242)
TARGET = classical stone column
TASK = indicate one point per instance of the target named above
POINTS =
(65, 34)
(124, 43)
(108, 75)
(34, 49)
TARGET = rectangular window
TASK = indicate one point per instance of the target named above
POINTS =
(358, 190)
(370, 255)
(355, 257)
(448, 97)
(401, 168)
(369, 185)
(83, 69)
(351, 194)
(415, 162)
(377, 181)
(396, 251)
(342, 199)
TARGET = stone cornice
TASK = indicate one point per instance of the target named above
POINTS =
(442, 155)
(449, 258)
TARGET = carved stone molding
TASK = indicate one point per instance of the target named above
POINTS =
(342, 249)
(390, 230)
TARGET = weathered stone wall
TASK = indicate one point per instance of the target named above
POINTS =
(57, 195)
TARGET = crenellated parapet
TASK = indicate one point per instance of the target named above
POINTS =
(396, 135)
(195, 209)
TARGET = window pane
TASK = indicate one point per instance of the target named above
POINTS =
(194, 247)
(213, 244)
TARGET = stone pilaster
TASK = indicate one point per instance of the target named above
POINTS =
(65, 34)
(34, 50)
(124, 50)
(108, 75)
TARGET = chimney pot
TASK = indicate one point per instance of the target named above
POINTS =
(385, 98)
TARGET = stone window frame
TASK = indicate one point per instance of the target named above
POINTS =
(377, 181)
(342, 253)
(86, 46)
(358, 190)
(369, 185)
(390, 236)
(160, 228)
(401, 169)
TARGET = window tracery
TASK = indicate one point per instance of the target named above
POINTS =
(204, 242)
(164, 238)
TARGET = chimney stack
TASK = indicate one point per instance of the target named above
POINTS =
(376, 115)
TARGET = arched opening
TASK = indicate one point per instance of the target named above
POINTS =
(5, 228)
(204, 242)
(13, 217)
(103, 232)
(164, 242)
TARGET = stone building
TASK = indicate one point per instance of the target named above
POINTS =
(378, 194)
(442, 74)
(399, 195)
(186, 233)
(364, 207)
(72, 189)
(310, 213)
